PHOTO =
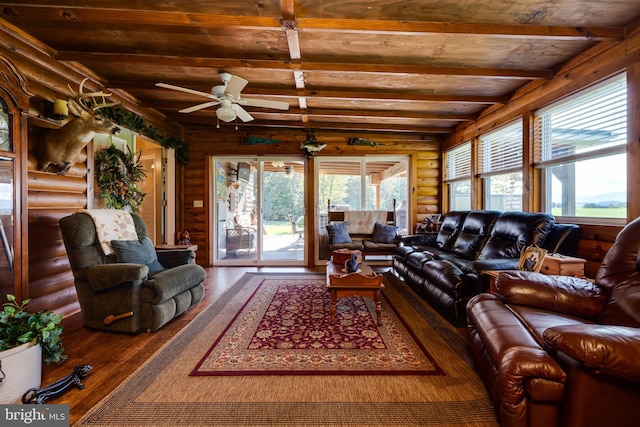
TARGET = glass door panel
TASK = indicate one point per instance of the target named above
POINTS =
(283, 207)
(235, 210)
(259, 211)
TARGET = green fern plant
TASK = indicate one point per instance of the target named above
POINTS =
(18, 326)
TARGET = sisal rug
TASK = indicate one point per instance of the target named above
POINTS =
(285, 329)
(163, 393)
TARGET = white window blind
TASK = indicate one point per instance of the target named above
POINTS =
(501, 150)
(458, 163)
(584, 126)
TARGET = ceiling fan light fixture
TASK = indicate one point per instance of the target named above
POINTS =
(226, 114)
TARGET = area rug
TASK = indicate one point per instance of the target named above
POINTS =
(163, 393)
(285, 328)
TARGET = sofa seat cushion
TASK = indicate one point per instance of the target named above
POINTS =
(607, 349)
(445, 276)
(404, 251)
(370, 245)
(166, 284)
(353, 245)
(416, 260)
(536, 321)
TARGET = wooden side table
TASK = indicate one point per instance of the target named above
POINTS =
(193, 248)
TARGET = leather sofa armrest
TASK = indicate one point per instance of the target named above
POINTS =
(563, 294)
(607, 349)
(481, 265)
(105, 276)
(419, 240)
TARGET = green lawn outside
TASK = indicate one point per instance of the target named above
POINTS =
(596, 212)
(277, 227)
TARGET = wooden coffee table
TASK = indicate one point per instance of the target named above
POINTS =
(365, 283)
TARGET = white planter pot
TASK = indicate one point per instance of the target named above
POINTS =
(22, 367)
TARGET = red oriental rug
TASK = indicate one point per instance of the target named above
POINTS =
(284, 329)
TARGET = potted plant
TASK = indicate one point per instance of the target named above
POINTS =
(25, 338)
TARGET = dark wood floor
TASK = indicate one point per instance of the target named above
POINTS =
(115, 356)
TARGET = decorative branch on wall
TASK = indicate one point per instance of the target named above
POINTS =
(117, 174)
(137, 123)
(362, 141)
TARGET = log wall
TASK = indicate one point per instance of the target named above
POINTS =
(44, 198)
(51, 197)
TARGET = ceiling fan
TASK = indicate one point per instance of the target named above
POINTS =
(228, 96)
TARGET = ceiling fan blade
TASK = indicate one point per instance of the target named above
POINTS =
(242, 113)
(184, 89)
(264, 103)
(199, 107)
(235, 86)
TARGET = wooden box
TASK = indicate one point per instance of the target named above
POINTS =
(563, 265)
(341, 256)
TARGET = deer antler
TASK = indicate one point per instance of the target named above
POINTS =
(89, 100)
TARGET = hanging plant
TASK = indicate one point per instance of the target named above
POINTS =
(136, 123)
(118, 174)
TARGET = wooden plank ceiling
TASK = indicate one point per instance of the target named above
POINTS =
(421, 66)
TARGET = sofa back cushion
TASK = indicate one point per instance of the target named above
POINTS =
(512, 231)
(474, 233)
(619, 274)
(449, 229)
(338, 233)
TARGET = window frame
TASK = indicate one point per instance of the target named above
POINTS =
(544, 165)
(486, 169)
(461, 152)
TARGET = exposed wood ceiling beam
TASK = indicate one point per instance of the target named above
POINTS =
(322, 125)
(138, 18)
(332, 113)
(346, 94)
(418, 27)
(183, 61)
(377, 96)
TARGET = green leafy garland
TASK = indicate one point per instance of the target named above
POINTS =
(137, 123)
(117, 174)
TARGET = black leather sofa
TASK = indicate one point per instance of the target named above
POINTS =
(447, 269)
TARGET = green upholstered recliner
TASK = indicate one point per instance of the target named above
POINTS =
(126, 291)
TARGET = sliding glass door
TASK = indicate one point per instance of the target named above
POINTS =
(259, 211)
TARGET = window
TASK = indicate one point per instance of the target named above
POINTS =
(457, 176)
(500, 166)
(580, 146)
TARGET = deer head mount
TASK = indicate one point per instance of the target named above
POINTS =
(57, 149)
